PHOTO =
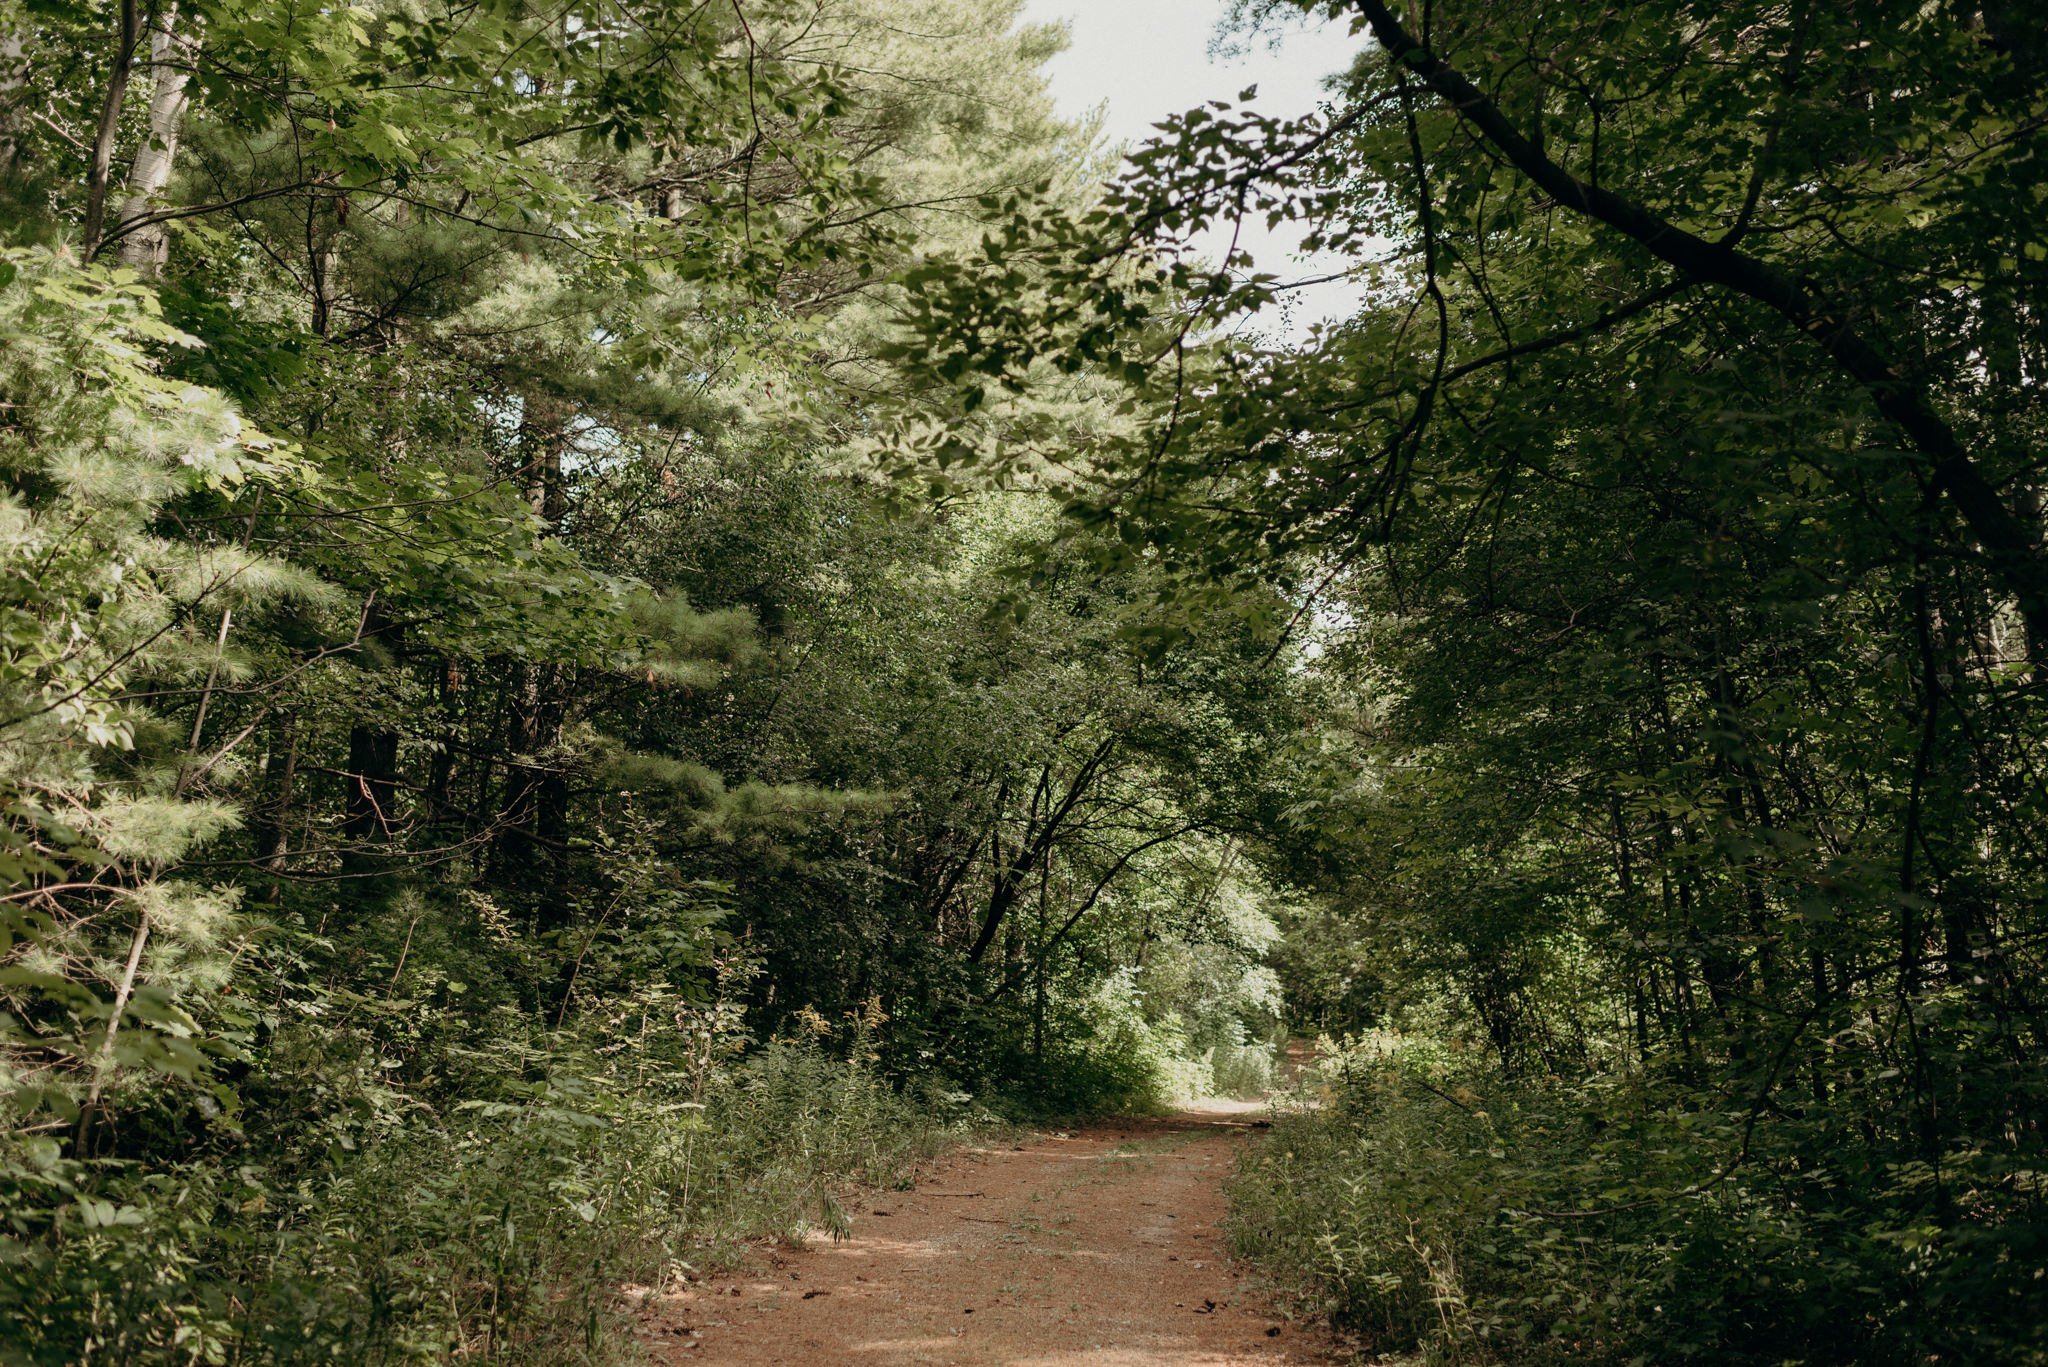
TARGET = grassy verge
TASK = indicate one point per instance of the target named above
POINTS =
(1432, 1206)
(497, 1227)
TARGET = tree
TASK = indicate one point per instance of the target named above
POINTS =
(1669, 511)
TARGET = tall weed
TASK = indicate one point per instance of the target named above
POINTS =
(1428, 1201)
(498, 1227)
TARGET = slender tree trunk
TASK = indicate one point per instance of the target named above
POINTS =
(2035, 515)
(103, 1063)
(102, 164)
(14, 94)
(551, 798)
(372, 783)
(543, 434)
(441, 774)
(672, 204)
(281, 811)
(516, 848)
(322, 261)
(536, 799)
(371, 813)
(1631, 919)
(171, 55)
(1038, 990)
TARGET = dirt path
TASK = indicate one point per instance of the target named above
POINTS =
(1099, 1249)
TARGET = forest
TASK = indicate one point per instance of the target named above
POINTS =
(620, 619)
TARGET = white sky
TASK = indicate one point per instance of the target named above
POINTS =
(1145, 59)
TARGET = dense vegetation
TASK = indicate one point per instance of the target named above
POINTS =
(502, 799)
(1670, 517)
(621, 616)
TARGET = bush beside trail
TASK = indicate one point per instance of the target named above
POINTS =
(1425, 1200)
(494, 1214)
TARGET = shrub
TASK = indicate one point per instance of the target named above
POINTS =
(1425, 1199)
(498, 1226)
(1243, 1071)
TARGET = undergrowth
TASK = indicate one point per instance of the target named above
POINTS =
(1427, 1202)
(498, 1226)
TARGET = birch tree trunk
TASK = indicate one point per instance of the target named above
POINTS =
(14, 40)
(171, 55)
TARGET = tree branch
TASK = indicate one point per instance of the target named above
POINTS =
(2009, 548)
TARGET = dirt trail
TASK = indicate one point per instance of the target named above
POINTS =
(1099, 1249)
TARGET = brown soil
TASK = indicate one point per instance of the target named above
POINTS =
(1096, 1249)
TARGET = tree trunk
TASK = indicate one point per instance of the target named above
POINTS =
(323, 259)
(543, 432)
(171, 55)
(529, 813)
(101, 166)
(279, 831)
(372, 784)
(372, 779)
(440, 803)
(535, 811)
(14, 39)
